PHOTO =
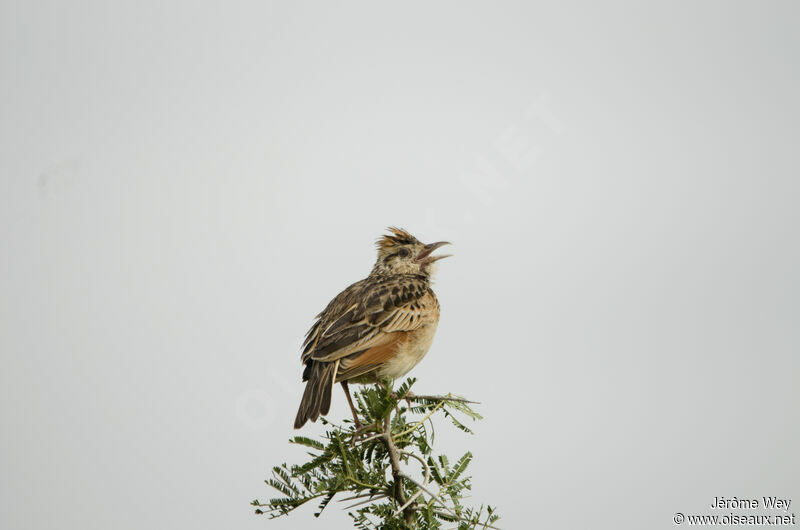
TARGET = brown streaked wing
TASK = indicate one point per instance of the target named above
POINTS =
(335, 310)
(386, 306)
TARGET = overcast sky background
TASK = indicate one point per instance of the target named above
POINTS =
(184, 185)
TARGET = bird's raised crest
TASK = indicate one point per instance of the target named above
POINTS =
(397, 236)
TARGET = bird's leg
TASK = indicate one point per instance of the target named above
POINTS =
(352, 407)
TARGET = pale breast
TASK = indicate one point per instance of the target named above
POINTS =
(417, 343)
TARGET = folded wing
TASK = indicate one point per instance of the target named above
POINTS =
(363, 324)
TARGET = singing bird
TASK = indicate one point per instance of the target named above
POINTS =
(379, 327)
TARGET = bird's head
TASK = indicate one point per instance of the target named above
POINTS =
(401, 253)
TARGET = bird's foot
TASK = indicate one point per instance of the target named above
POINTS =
(359, 432)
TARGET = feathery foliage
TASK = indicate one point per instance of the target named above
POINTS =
(386, 470)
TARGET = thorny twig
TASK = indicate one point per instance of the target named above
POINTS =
(397, 474)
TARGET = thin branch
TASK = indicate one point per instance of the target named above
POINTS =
(424, 465)
(379, 435)
(409, 502)
(379, 497)
(425, 481)
(485, 525)
(371, 494)
(420, 422)
(414, 397)
(432, 494)
(397, 474)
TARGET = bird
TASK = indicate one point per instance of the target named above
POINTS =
(377, 328)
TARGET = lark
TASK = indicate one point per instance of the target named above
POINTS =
(379, 327)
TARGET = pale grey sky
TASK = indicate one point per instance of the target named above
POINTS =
(184, 185)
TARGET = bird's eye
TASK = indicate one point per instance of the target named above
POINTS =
(403, 252)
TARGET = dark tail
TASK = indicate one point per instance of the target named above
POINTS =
(316, 400)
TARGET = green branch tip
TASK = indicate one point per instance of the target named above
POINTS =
(369, 467)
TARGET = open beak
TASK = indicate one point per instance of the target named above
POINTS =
(425, 256)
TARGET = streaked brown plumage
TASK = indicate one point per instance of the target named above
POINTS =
(381, 326)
